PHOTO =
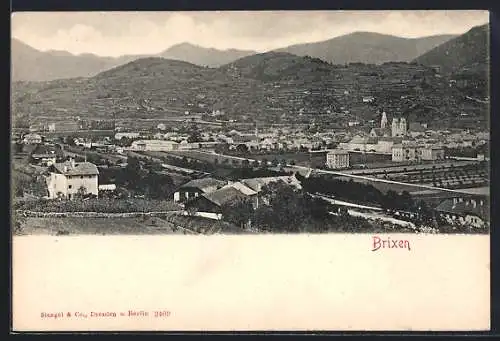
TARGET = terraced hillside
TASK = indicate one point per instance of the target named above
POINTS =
(468, 50)
(271, 87)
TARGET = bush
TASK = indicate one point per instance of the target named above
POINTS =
(98, 205)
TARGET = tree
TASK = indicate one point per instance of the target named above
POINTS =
(194, 137)
(158, 186)
(18, 148)
(133, 172)
(191, 211)
(70, 140)
(222, 148)
(238, 213)
(391, 200)
(81, 192)
(406, 200)
(17, 221)
(242, 148)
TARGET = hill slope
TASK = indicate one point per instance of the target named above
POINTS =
(270, 87)
(29, 64)
(467, 50)
(366, 47)
(278, 66)
(203, 56)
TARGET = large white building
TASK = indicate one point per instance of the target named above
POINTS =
(415, 152)
(66, 179)
(402, 153)
(337, 159)
(432, 153)
(154, 145)
(119, 136)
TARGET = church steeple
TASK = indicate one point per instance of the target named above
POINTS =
(383, 121)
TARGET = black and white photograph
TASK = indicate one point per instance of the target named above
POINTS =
(249, 123)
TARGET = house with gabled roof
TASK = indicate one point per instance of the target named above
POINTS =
(465, 210)
(67, 178)
(194, 188)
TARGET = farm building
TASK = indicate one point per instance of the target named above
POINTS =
(195, 188)
(469, 211)
(213, 202)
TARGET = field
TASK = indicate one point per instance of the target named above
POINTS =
(102, 226)
(458, 175)
(383, 186)
(93, 156)
(369, 159)
(302, 159)
(173, 224)
(80, 133)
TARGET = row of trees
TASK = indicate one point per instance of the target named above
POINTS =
(291, 210)
(143, 179)
(366, 193)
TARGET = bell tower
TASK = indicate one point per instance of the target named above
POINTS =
(383, 121)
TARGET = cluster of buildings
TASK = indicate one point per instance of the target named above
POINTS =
(277, 139)
(397, 141)
(466, 211)
(209, 195)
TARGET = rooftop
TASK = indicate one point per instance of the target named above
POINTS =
(338, 152)
(76, 168)
(150, 142)
(465, 207)
(225, 195)
(241, 187)
(203, 183)
(256, 184)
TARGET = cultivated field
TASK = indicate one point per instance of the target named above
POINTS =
(103, 226)
(174, 224)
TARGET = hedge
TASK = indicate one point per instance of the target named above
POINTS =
(103, 205)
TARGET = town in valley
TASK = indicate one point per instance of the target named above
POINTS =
(284, 141)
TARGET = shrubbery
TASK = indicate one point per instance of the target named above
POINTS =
(98, 205)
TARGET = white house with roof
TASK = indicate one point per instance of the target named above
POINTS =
(32, 139)
(66, 178)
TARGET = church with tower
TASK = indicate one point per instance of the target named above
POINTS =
(399, 127)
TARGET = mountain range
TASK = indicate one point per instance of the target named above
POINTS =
(29, 64)
(367, 47)
(467, 50)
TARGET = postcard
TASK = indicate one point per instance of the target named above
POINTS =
(250, 171)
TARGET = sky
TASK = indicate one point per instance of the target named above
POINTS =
(121, 33)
